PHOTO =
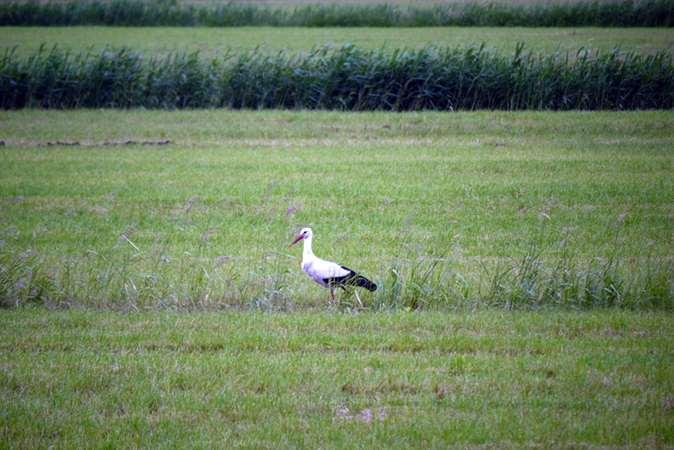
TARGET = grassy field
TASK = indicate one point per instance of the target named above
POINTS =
(213, 41)
(209, 216)
(429, 380)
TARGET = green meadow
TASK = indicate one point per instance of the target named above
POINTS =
(440, 209)
(407, 380)
(215, 41)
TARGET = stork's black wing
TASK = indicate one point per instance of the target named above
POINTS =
(350, 279)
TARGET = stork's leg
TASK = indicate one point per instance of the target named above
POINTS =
(358, 298)
(332, 293)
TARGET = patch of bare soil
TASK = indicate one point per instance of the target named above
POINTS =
(69, 143)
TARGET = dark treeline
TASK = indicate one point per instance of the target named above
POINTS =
(346, 78)
(621, 13)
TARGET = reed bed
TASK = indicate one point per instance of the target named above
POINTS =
(344, 78)
(625, 13)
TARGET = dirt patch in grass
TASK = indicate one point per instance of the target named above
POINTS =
(73, 143)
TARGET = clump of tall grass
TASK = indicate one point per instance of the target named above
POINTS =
(622, 13)
(529, 282)
(129, 279)
(344, 78)
(540, 277)
(23, 280)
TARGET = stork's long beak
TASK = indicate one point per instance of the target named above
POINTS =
(297, 239)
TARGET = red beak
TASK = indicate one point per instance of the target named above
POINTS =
(297, 239)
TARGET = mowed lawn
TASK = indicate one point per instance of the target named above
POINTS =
(216, 41)
(75, 379)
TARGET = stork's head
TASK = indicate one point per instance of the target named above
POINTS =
(305, 233)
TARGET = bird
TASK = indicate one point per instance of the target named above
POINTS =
(327, 273)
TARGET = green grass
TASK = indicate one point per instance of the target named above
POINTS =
(427, 380)
(214, 41)
(212, 213)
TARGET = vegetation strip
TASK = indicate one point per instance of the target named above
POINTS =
(347, 78)
(621, 13)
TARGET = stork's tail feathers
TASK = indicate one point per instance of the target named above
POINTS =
(365, 283)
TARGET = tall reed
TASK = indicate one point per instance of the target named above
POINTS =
(345, 78)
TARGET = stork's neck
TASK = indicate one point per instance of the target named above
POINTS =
(307, 253)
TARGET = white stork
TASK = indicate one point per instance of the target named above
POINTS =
(327, 273)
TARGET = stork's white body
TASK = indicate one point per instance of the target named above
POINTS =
(319, 269)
